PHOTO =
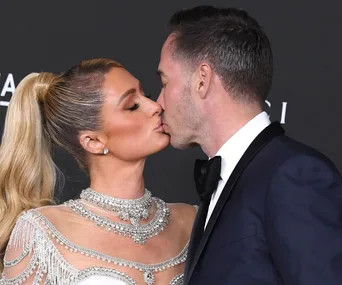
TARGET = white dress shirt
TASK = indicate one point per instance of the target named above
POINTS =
(232, 151)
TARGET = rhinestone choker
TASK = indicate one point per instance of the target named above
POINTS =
(133, 210)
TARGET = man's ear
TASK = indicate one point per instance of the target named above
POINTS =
(203, 79)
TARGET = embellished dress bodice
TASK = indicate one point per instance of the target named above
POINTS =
(41, 252)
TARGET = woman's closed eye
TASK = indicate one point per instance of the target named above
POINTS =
(137, 105)
(134, 107)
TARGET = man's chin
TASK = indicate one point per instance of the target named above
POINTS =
(181, 145)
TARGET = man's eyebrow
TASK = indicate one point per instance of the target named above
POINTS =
(160, 73)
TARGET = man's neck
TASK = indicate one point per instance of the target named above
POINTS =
(219, 131)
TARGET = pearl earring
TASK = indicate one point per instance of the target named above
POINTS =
(105, 151)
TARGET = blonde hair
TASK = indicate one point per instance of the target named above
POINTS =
(45, 109)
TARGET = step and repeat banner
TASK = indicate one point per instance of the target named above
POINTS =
(306, 94)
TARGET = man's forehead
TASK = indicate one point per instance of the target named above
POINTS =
(168, 46)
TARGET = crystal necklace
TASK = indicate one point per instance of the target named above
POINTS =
(133, 210)
(138, 233)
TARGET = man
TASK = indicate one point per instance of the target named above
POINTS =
(271, 210)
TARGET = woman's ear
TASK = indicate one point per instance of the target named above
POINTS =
(93, 142)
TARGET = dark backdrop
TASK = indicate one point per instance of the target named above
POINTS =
(305, 35)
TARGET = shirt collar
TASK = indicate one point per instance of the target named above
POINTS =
(233, 149)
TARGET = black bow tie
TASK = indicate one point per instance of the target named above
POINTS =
(207, 175)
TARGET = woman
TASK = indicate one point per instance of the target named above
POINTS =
(116, 233)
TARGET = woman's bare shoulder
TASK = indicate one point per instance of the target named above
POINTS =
(183, 214)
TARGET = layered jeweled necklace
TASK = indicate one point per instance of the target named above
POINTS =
(132, 210)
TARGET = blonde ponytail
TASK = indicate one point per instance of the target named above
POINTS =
(46, 109)
(27, 171)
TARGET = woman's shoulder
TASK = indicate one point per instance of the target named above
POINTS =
(54, 214)
(53, 210)
(31, 225)
(183, 209)
(183, 214)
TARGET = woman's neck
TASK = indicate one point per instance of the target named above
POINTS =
(118, 179)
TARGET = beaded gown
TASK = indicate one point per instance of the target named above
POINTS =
(39, 252)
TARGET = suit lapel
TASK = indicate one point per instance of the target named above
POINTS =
(272, 131)
(194, 240)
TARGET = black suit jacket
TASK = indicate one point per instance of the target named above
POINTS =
(277, 221)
